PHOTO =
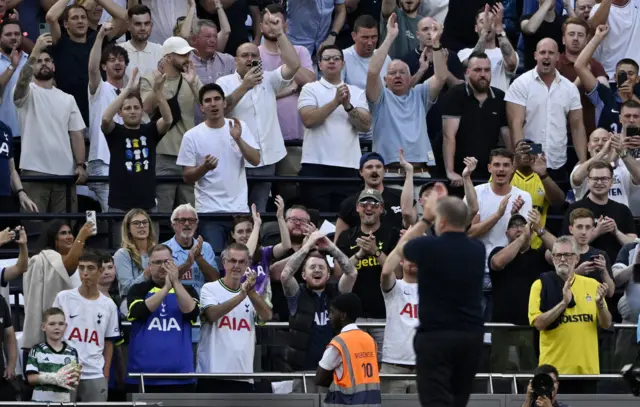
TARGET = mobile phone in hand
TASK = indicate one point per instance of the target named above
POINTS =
(536, 148)
(258, 63)
(91, 217)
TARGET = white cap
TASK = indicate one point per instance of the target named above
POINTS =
(176, 45)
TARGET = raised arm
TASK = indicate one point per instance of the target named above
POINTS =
(95, 79)
(509, 55)
(532, 25)
(374, 83)
(119, 18)
(553, 192)
(469, 190)
(166, 117)
(254, 237)
(570, 11)
(601, 15)
(440, 69)
(409, 213)
(581, 65)
(249, 153)
(349, 272)
(53, 17)
(107, 124)
(26, 74)
(289, 285)
(224, 31)
(284, 246)
(17, 270)
(388, 7)
(290, 59)
(479, 228)
(505, 256)
(186, 29)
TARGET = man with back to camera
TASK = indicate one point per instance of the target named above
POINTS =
(308, 302)
(449, 339)
(213, 157)
(567, 309)
(351, 357)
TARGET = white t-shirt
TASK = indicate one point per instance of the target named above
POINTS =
(225, 188)
(258, 108)
(146, 60)
(620, 189)
(226, 346)
(46, 117)
(89, 324)
(500, 78)
(98, 103)
(402, 320)
(356, 68)
(331, 358)
(488, 203)
(334, 142)
(624, 35)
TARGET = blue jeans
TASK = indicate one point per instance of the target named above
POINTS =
(216, 233)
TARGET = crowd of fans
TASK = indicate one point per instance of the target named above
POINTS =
(540, 97)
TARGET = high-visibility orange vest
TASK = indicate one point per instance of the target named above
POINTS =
(360, 381)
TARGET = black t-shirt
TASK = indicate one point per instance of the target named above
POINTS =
(132, 168)
(5, 322)
(450, 276)
(551, 30)
(616, 211)
(237, 16)
(597, 275)
(511, 285)
(6, 154)
(367, 285)
(72, 76)
(392, 217)
(460, 21)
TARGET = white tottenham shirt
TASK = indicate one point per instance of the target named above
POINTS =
(401, 303)
(228, 344)
(621, 187)
(89, 324)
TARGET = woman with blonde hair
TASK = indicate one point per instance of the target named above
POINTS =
(131, 260)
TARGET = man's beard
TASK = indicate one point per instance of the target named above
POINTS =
(296, 239)
(181, 67)
(409, 10)
(270, 37)
(44, 76)
(562, 271)
(6, 49)
(141, 38)
(480, 86)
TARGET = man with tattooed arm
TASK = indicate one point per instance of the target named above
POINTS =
(310, 329)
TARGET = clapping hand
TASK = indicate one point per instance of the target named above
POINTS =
(235, 129)
(249, 282)
(210, 162)
(257, 220)
(517, 205)
(367, 244)
(470, 165)
(392, 26)
(601, 294)
(406, 165)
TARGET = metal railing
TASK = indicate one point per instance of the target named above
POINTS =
(490, 377)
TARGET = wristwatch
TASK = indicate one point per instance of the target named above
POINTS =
(502, 34)
(333, 33)
(541, 231)
(378, 253)
(83, 165)
(624, 153)
(348, 109)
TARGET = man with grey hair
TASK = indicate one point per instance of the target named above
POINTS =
(207, 61)
(449, 340)
(195, 257)
(567, 309)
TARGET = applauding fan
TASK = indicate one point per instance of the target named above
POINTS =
(132, 175)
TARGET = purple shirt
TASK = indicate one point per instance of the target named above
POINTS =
(288, 115)
(210, 70)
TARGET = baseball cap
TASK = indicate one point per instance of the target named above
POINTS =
(516, 217)
(370, 193)
(176, 45)
(371, 156)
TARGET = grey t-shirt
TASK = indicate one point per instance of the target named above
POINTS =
(406, 40)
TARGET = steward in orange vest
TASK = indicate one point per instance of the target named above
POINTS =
(349, 364)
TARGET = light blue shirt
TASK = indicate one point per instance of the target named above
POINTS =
(400, 122)
(180, 254)
(310, 22)
(8, 112)
(129, 274)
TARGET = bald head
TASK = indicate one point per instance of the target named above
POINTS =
(245, 55)
(546, 56)
(597, 140)
(426, 22)
(398, 77)
(247, 47)
(451, 214)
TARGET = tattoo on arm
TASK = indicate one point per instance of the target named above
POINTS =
(505, 47)
(22, 87)
(289, 284)
(343, 261)
(480, 45)
(356, 116)
(230, 104)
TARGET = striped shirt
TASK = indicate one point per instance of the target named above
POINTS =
(44, 359)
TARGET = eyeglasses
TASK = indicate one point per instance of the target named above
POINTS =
(140, 223)
(298, 220)
(235, 261)
(182, 221)
(369, 204)
(331, 58)
(560, 256)
(518, 226)
(160, 262)
(604, 180)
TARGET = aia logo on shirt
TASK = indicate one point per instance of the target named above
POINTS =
(411, 310)
(235, 324)
(88, 336)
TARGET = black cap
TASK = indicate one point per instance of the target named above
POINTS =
(515, 218)
(348, 303)
(371, 156)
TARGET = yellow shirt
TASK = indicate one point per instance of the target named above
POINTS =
(533, 185)
(573, 346)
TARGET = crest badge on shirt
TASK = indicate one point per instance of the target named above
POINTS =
(588, 298)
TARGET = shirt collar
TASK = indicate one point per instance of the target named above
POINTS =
(197, 57)
(556, 79)
(328, 84)
(146, 49)
(469, 90)
(350, 327)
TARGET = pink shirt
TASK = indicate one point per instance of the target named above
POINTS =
(288, 115)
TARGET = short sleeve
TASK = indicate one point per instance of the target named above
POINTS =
(346, 208)
(276, 80)
(193, 315)
(146, 89)
(597, 69)
(358, 98)
(450, 106)
(517, 92)
(307, 98)
(331, 358)
(414, 250)
(463, 54)
(32, 361)
(305, 58)
(576, 104)
(7, 321)
(187, 153)
(626, 224)
(343, 242)
(495, 251)
(207, 297)
(455, 66)
(534, 301)
(423, 88)
(528, 204)
(209, 255)
(248, 136)
(76, 122)
(393, 241)
(113, 330)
